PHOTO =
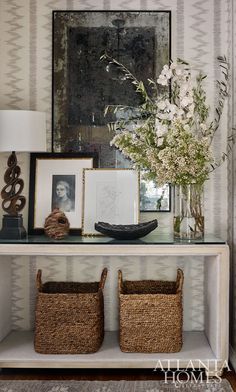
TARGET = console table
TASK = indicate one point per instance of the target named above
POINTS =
(209, 346)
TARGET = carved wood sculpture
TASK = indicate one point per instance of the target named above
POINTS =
(13, 202)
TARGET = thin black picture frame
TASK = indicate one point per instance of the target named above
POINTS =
(34, 157)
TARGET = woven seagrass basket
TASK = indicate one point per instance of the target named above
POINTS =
(69, 316)
(151, 315)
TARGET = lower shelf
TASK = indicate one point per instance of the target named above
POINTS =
(17, 350)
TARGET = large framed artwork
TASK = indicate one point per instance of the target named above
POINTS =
(56, 181)
(110, 195)
(83, 85)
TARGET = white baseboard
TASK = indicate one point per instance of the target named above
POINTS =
(232, 357)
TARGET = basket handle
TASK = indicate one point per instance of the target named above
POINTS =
(120, 280)
(179, 280)
(39, 280)
(103, 279)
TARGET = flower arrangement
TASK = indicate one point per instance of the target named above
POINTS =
(170, 134)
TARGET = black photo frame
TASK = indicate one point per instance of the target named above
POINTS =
(45, 170)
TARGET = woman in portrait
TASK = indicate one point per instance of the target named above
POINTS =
(62, 199)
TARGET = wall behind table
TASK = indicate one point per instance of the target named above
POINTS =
(232, 196)
(200, 32)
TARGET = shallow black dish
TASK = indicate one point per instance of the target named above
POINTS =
(126, 232)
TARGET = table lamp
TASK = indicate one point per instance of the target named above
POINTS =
(21, 131)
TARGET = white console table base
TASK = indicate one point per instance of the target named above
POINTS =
(16, 348)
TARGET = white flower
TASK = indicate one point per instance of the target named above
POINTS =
(170, 116)
(161, 105)
(189, 115)
(186, 89)
(159, 141)
(163, 116)
(172, 108)
(186, 127)
(179, 113)
(191, 107)
(173, 65)
(161, 129)
(165, 75)
(178, 69)
(203, 127)
(185, 101)
(166, 72)
(162, 80)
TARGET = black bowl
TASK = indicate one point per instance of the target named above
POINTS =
(126, 232)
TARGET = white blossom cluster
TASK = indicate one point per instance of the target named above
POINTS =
(182, 107)
(172, 136)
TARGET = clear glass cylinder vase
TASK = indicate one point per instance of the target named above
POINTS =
(188, 212)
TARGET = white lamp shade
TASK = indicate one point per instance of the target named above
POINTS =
(22, 130)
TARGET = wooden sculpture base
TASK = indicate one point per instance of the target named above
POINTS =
(12, 227)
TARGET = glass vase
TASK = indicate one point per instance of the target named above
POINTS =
(188, 212)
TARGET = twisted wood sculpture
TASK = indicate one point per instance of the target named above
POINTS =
(13, 202)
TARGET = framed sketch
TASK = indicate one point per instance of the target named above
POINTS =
(56, 181)
(110, 195)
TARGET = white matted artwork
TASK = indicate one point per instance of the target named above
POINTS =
(110, 195)
(57, 182)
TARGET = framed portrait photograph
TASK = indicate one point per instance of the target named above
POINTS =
(56, 181)
(111, 196)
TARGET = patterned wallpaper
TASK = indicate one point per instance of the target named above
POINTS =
(201, 30)
(232, 195)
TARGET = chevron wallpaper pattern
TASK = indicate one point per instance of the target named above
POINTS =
(201, 30)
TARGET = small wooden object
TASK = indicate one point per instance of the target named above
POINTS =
(56, 224)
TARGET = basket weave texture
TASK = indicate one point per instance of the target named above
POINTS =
(151, 315)
(69, 316)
